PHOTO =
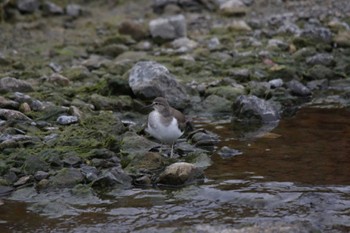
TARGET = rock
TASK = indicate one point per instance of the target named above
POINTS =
(251, 108)
(111, 178)
(6, 103)
(214, 104)
(315, 34)
(204, 139)
(112, 50)
(213, 43)
(135, 30)
(134, 145)
(67, 120)
(89, 172)
(66, 177)
(233, 8)
(40, 175)
(239, 26)
(9, 84)
(227, 92)
(22, 181)
(58, 79)
(324, 59)
(168, 28)
(321, 84)
(227, 152)
(276, 83)
(277, 44)
(260, 89)
(77, 73)
(34, 163)
(27, 6)
(71, 159)
(342, 39)
(50, 8)
(320, 72)
(297, 88)
(148, 162)
(5, 190)
(184, 44)
(115, 103)
(25, 108)
(73, 10)
(13, 115)
(18, 140)
(180, 173)
(149, 80)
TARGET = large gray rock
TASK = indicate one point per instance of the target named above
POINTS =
(180, 173)
(252, 108)
(9, 84)
(67, 177)
(113, 177)
(168, 28)
(149, 80)
(297, 88)
(9, 114)
(27, 6)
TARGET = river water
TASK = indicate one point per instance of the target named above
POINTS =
(295, 178)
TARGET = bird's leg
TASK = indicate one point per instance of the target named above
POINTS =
(172, 150)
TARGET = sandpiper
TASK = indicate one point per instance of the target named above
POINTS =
(165, 123)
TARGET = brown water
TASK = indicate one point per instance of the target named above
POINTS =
(298, 174)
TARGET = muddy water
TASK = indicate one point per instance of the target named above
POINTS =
(295, 178)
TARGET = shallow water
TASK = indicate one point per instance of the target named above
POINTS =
(296, 176)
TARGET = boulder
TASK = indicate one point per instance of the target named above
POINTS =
(251, 108)
(168, 28)
(9, 84)
(180, 173)
(148, 79)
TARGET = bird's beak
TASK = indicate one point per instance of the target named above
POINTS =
(148, 106)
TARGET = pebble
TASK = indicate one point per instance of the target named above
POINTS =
(67, 120)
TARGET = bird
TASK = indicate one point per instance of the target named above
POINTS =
(165, 123)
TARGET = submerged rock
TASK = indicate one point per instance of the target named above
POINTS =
(180, 173)
(149, 80)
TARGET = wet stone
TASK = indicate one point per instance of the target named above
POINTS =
(5, 190)
(89, 172)
(23, 180)
(227, 152)
(180, 173)
(112, 177)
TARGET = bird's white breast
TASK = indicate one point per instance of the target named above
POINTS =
(167, 134)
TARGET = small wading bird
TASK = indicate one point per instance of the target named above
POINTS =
(165, 123)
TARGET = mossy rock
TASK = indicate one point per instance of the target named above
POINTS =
(227, 92)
